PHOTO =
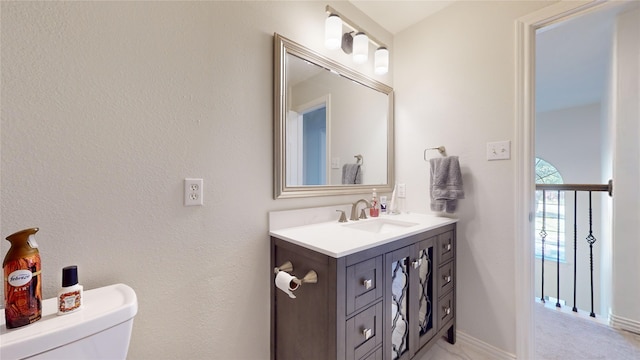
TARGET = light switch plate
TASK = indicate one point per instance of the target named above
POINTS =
(402, 191)
(335, 163)
(499, 150)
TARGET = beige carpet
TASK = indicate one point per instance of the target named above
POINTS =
(562, 336)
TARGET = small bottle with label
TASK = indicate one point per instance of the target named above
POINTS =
(374, 210)
(383, 205)
(70, 296)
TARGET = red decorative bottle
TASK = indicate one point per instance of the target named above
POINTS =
(22, 280)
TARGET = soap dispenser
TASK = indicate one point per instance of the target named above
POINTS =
(374, 210)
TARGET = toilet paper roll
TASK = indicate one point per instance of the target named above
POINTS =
(284, 282)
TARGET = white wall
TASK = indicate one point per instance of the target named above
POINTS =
(563, 136)
(455, 84)
(106, 107)
(626, 203)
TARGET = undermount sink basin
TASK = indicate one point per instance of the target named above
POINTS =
(380, 226)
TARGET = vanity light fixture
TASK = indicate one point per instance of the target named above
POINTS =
(355, 40)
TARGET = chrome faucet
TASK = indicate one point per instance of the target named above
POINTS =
(354, 210)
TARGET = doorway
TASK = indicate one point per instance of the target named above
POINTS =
(308, 144)
(526, 29)
(314, 134)
(573, 70)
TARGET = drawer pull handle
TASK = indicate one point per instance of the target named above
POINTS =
(416, 263)
(367, 284)
(446, 310)
(447, 278)
(367, 333)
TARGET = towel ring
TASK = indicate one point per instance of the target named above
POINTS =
(359, 159)
(440, 149)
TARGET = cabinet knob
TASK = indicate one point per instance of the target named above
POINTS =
(447, 247)
(367, 283)
(416, 263)
(367, 333)
(446, 310)
(447, 278)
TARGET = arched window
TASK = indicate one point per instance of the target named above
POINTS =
(554, 210)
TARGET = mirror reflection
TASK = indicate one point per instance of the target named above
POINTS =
(334, 127)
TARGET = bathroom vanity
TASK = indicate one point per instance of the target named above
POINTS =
(385, 288)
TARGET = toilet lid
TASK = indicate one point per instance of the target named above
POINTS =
(102, 308)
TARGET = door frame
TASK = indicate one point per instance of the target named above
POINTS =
(526, 28)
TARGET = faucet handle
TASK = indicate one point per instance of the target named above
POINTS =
(343, 217)
(363, 214)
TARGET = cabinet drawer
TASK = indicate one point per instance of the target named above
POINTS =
(445, 243)
(445, 309)
(364, 284)
(445, 278)
(364, 332)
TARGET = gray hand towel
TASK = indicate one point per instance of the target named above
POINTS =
(351, 174)
(446, 184)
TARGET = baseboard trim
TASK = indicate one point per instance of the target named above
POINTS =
(622, 323)
(482, 347)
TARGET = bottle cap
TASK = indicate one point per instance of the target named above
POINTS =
(69, 276)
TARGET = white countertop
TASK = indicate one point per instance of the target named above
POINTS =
(338, 239)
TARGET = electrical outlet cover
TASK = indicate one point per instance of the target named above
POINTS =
(193, 192)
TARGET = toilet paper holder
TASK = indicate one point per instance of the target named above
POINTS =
(287, 266)
(310, 278)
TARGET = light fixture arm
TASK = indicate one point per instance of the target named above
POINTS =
(350, 24)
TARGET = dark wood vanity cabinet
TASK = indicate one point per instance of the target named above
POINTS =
(388, 302)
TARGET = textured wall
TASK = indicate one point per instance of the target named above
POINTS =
(106, 108)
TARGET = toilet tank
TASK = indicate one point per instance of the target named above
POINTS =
(100, 330)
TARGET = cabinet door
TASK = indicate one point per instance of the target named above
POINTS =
(426, 296)
(397, 285)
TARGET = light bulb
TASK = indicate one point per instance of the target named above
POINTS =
(333, 32)
(360, 48)
(381, 61)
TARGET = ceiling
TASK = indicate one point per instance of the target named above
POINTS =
(397, 15)
(572, 57)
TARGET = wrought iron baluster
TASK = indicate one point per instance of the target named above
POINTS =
(575, 248)
(543, 236)
(591, 240)
(558, 251)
